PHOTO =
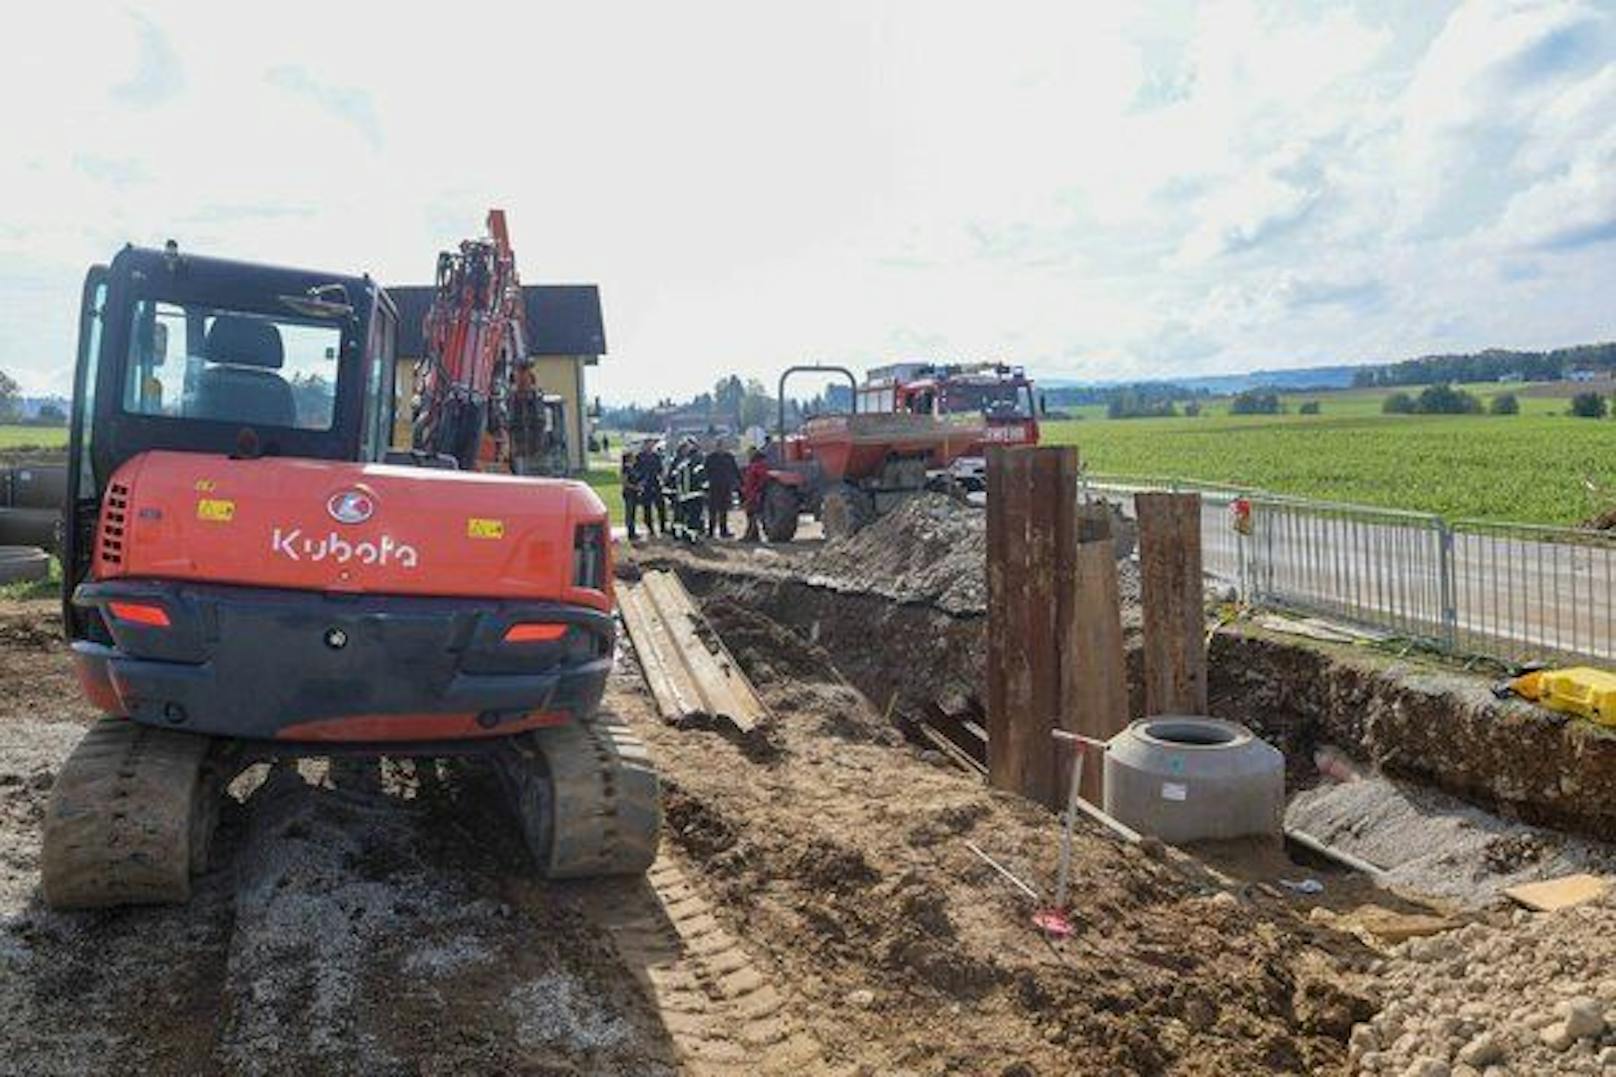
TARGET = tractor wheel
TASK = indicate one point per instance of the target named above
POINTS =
(844, 509)
(780, 510)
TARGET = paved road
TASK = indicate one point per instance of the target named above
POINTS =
(1514, 594)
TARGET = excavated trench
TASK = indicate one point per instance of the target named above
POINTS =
(1436, 740)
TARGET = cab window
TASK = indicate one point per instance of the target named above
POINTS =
(380, 370)
(202, 362)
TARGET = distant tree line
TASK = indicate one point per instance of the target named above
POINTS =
(1136, 396)
(49, 413)
(1494, 364)
(731, 403)
(1256, 402)
(1434, 400)
(1140, 402)
(1446, 400)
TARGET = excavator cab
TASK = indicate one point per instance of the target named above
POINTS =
(249, 573)
(190, 354)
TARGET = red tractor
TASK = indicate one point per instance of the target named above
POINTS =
(850, 467)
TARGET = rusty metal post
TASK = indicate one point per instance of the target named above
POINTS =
(1032, 506)
(1094, 676)
(1172, 592)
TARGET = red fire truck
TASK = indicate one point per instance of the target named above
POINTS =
(996, 392)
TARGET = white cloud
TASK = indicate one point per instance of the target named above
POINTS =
(1094, 190)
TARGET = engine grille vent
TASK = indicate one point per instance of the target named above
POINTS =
(113, 516)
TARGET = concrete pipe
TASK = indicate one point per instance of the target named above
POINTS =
(1186, 778)
(36, 486)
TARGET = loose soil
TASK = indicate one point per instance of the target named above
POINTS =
(845, 860)
(390, 927)
(816, 907)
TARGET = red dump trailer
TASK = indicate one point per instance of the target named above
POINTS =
(850, 467)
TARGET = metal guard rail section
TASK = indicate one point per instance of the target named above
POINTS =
(1508, 591)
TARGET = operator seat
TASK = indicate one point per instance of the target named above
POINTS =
(239, 384)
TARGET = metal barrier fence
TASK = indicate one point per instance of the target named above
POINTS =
(1525, 592)
(1508, 591)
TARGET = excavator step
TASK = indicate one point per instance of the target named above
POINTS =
(130, 818)
(587, 797)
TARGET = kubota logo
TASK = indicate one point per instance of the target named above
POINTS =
(350, 507)
(294, 545)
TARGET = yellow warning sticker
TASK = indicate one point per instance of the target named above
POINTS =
(485, 529)
(215, 510)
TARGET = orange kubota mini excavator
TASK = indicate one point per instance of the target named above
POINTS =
(250, 573)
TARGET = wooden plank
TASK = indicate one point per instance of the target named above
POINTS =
(722, 686)
(1020, 642)
(671, 685)
(1060, 489)
(961, 758)
(687, 666)
(1096, 680)
(1559, 893)
(1172, 594)
(693, 650)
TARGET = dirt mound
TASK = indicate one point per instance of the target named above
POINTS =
(931, 548)
(38, 680)
(1603, 520)
(794, 674)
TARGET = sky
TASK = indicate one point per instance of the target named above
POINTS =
(1096, 191)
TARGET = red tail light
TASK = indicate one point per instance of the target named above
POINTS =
(534, 632)
(589, 557)
(140, 613)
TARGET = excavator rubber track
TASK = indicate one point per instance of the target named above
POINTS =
(130, 818)
(587, 797)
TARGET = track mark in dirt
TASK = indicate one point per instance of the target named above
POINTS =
(378, 934)
(722, 1013)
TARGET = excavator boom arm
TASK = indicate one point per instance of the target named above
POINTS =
(469, 384)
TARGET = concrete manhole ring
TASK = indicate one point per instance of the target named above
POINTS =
(1187, 778)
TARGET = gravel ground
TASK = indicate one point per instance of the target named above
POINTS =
(1528, 993)
(381, 929)
(1435, 844)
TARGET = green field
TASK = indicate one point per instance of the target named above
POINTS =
(1541, 466)
(1535, 467)
(609, 485)
(20, 438)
